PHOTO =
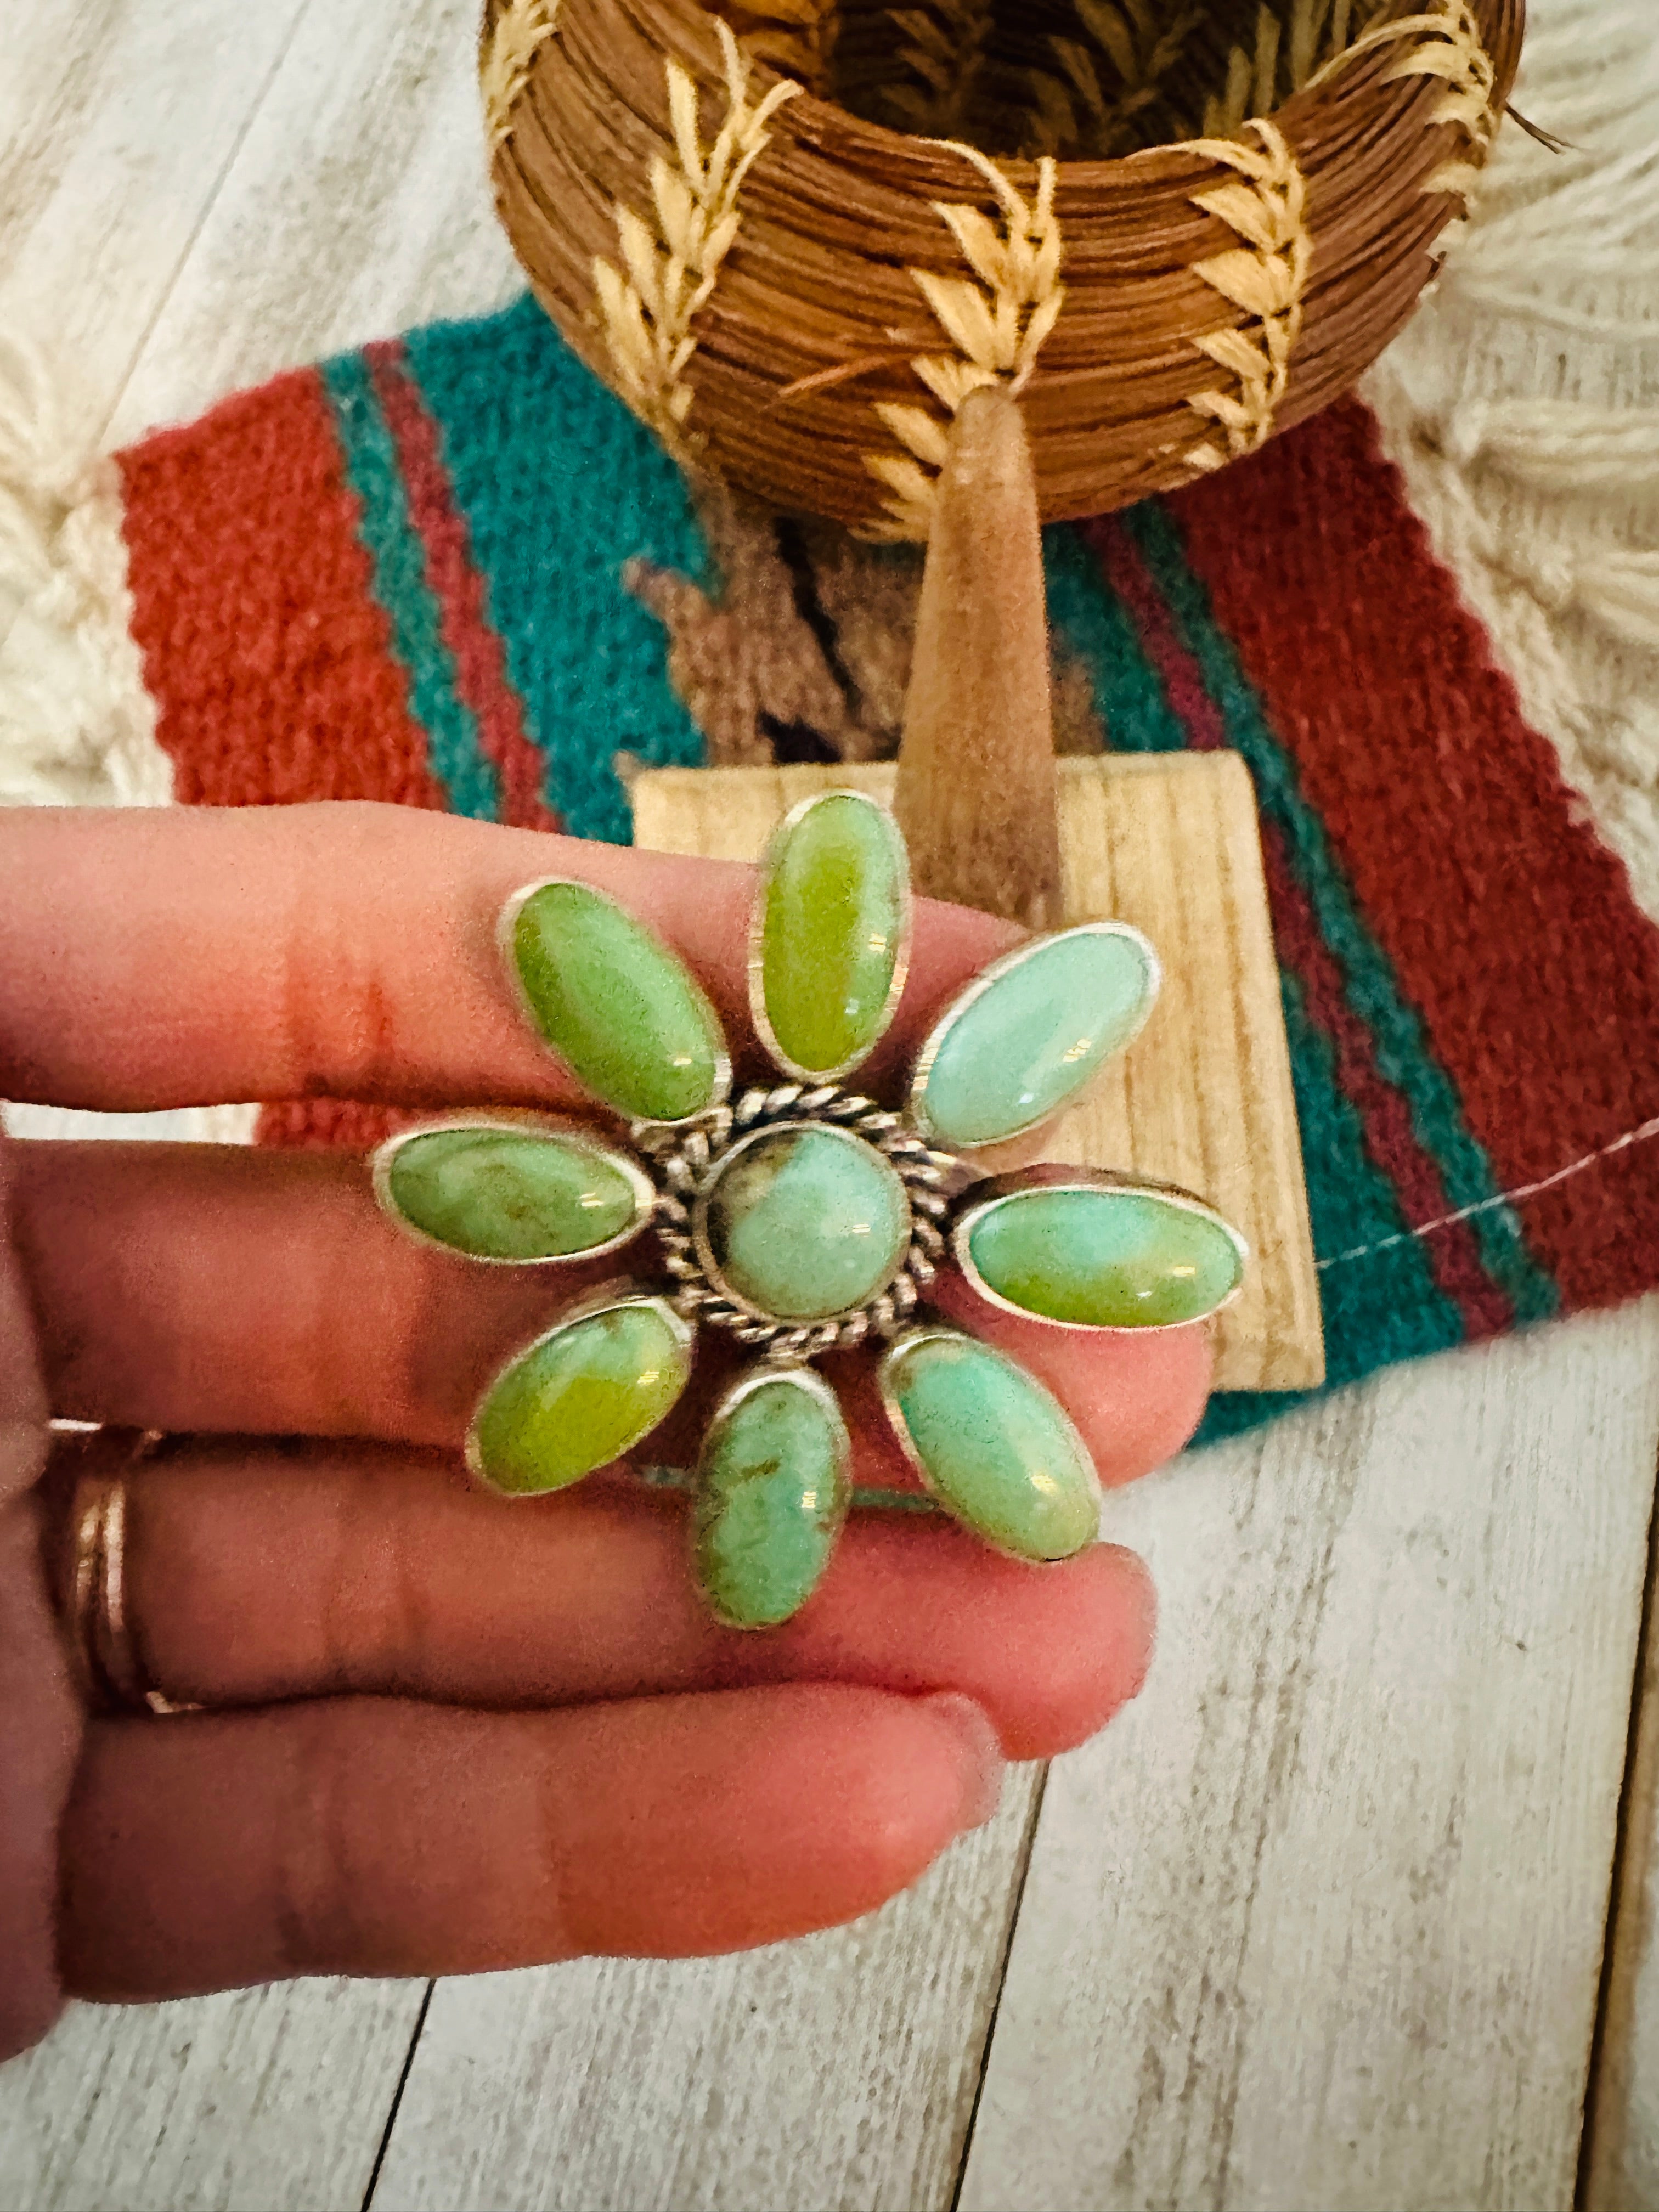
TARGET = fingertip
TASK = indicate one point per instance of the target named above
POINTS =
(907, 1776)
(838, 1798)
(1177, 1369)
(1047, 1654)
(380, 1836)
(1137, 1594)
(949, 946)
(1083, 1660)
(953, 943)
(979, 1752)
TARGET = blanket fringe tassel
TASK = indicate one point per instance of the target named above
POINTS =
(77, 725)
(1521, 405)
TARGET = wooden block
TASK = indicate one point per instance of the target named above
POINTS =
(1203, 1098)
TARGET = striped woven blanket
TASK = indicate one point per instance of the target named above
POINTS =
(453, 571)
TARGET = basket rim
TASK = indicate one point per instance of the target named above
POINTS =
(1196, 321)
(806, 108)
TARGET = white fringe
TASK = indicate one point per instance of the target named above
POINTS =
(77, 725)
(1522, 405)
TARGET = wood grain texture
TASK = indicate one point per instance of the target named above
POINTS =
(1316, 1927)
(357, 205)
(1621, 2167)
(1203, 1098)
(241, 2103)
(977, 793)
(118, 120)
(836, 2074)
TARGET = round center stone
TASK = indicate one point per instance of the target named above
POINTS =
(805, 1223)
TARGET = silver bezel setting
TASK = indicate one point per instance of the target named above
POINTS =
(751, 1140)
(983, 1198)
(941, 1333)
(756, 965)
(915, 1099)
(688, 1164)
(796, 1377)
(576, 1136)
(506, 926)
(622, 1291)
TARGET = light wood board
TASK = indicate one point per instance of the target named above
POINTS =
(839, 2072)
(357, 204)
(119, 123)
(248, 2102)
(1203, 1097)
(1317, 1925)
(1621, 2166)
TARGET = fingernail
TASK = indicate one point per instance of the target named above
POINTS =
(982, 1755)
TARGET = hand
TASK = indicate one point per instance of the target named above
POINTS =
(444, 1733)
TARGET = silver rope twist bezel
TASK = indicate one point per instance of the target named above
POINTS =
(684, 1161)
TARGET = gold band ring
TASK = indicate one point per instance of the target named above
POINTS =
(112, 1674)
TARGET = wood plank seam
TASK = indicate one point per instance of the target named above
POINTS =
(1016, 1899)
(256, 107)
(1319, 1923)
(1603, 2182)
(391, 2120)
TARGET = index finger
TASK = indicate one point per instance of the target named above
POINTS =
(157, 958)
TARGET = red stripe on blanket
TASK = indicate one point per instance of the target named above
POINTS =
(1604, 1214)
(269, 660)
(1453, 1256)
(1384, 1113)
(481, 677)
(1511, 928)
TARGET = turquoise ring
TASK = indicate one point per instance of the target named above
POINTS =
(807, 1218)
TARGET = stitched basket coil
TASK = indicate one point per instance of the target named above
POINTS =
(797, 296)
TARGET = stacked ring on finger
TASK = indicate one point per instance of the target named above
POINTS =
(804, 1218)
(419, 1741)
(93, 1592)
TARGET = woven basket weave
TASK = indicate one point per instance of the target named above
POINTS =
(1172, 228)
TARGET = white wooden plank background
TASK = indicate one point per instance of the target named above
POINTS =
(1621, 2170)
(254, 2102)
(838, 2071)
(357, 205)
(1318, 1924)
(118, 126)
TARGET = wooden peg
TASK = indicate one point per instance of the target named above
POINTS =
(976, 795)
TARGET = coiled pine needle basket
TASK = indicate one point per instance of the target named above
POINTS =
(795, 235)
